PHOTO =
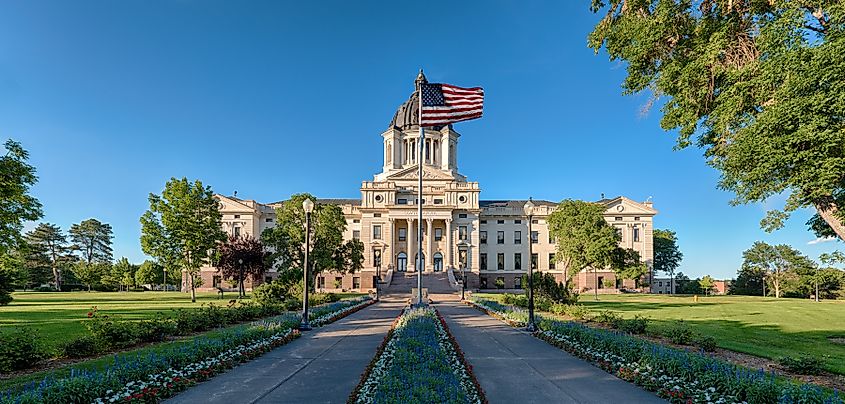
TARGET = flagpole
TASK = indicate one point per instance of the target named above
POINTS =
(420, 199)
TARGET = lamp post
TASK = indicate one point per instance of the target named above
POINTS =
(463, 279)
(378, 272)
(240, 278)
(529, 211)
(308, 207)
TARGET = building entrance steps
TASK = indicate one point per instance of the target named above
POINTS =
(515, 367)
(322, 366)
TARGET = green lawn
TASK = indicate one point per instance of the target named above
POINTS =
(766, 327)
(57, 316)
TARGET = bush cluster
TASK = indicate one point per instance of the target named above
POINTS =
(545, 286)
(20, 349)
(804, 364)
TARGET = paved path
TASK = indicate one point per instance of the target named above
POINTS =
(322, 366)
(515, 367)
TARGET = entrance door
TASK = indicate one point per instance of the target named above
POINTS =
(438, 262)
(401, 262)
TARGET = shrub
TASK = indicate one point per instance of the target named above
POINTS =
(578, 312)
(20, 349)
(5, 297)
(270, 293)
(706, 342)
(500, 283)
(636, 325)
(804, 364)
(546, 285)
(543, 303)
(157, 329)
(81, 347)
(44, 289)
(679, 333)
(112, 332)
(608, 317)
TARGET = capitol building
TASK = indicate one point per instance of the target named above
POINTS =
(460, 229)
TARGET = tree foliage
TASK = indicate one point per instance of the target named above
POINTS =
(240, 257)
(16, 204)
(91, 273)
(50, 240)
(706, 283)
(667, 255)
(328, 250)
(181, 226)
(152, 273)
(757, 84)
(628, 264)
(750, 281)
(776, 261)
(93, 240)
(584, 238)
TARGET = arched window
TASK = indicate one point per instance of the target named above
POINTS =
(389, 156)
(401, 262)
(438, 262)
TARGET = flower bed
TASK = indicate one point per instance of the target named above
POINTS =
(676, 375)
(153, 376)
(419, 361)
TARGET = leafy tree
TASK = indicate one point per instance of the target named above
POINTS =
(750, 281)
(242, 256)
(328, 250)
(757, 84)
(6, 285)
(152, 273)
(667, 256)
(584, 238)
(775, 261)
(123, 274)
(90, 273)
(181, 226)
(706, 283)
(49, 239)
(16, 204)
(628, 265)
(93, 239)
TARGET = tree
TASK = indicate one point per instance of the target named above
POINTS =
(584, 238)
(152, 273)
(667, 256)
(775, 261)
(93, 240)
(706, 283)
(756, 84)
(242, 256)
(628, 265)
(16, 204)
(49, 239)
(328, 250)
(90, 273)
(123, 274)
(750, 281)
(182, 226)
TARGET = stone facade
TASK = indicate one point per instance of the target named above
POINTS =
(488, 238)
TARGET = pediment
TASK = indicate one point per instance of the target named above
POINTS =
(626, 206)
(412, 173)
(233, 205)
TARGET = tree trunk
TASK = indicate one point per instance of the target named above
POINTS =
(193, 290)
(671, 283)
(776, 284)
(596, 277)
(828, 213)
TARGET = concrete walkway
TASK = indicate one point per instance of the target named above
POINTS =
(322, 366)
(515, 367)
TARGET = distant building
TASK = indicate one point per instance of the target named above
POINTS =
(663, 286)
(487, 237)
(721, 287)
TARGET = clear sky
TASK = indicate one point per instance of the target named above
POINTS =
(270, 98)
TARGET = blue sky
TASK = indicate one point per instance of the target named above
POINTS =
(271, 98)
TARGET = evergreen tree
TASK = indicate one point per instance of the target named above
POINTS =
(667, 255)
(16, 204)
(49, 239)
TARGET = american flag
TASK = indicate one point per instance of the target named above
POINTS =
(443, 104)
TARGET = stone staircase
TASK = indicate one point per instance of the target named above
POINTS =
(435, 282)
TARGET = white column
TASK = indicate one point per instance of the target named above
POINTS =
(387, 254)
(449, 243)
(429, 256)
(411, 236)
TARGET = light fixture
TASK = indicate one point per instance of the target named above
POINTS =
(308, 205)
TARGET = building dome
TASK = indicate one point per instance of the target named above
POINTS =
(407, 115)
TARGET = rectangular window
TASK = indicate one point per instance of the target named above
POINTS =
(321, 283)
(356, 220)
(483, 222)
(237, 231)
(237, 216)
(376, 214)
(483, 280)
(535, 237)
(500, 222)
(552, 261)
(402, 233)
(551, 238)
(636, 218)
(483, 261)
(462, 216)
(438, 234)
(500, 282)
(601, 282)
(618, 218)
(462, 233)
(377, 232)
(517, 261)
(534, 261)
(500, 237)
(356, 282)
(482, 236)
(338, 282)
(438, 201)
(517, 282)
(517, 237)
(500, 261)
(636, 234)
(535, 221)
(517, 221)
(216, 280)
(402, 201)
(356, 234)
(619, 232)
(268, 220)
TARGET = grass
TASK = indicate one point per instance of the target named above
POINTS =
(766, 327)
(57, 316)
